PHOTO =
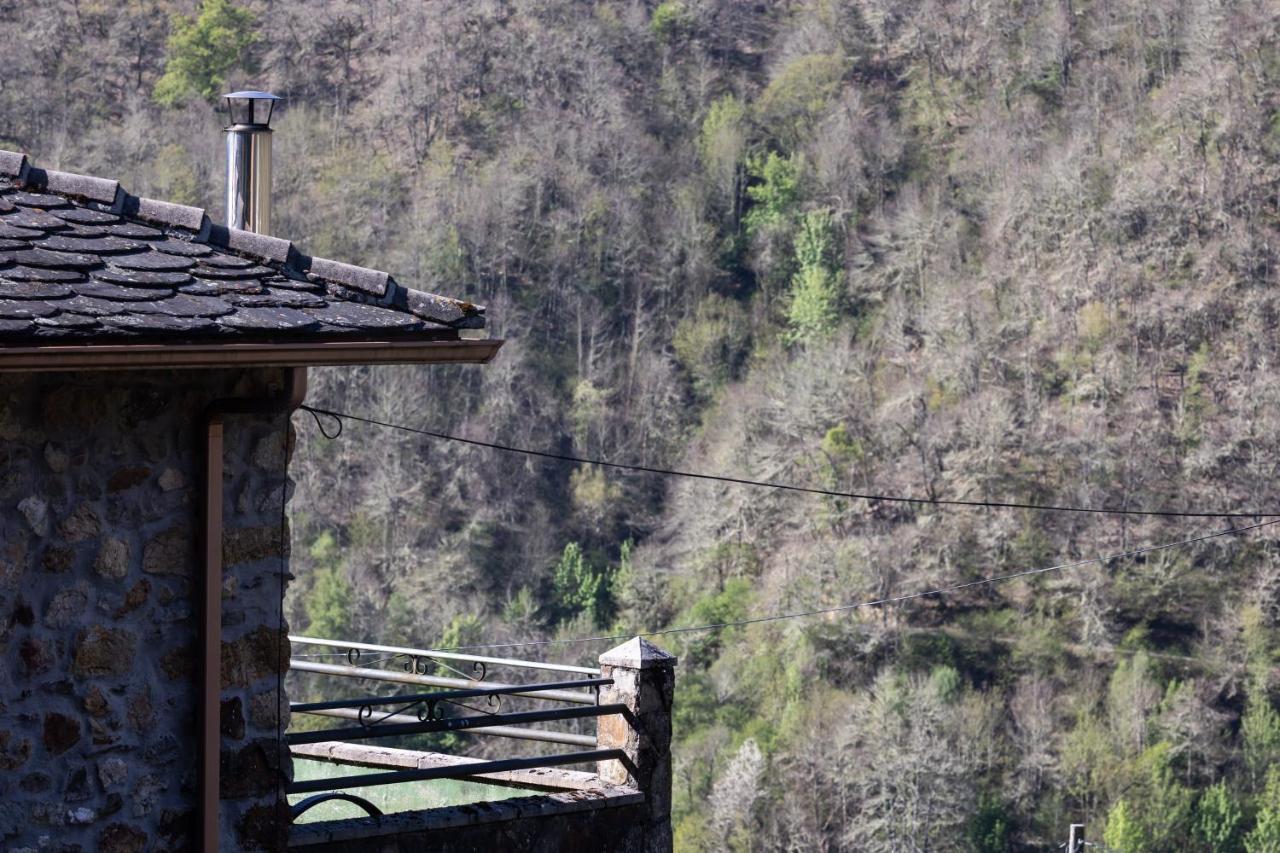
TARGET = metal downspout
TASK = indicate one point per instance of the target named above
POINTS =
(209, 700)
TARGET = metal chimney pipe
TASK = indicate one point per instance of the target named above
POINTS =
(249, 160)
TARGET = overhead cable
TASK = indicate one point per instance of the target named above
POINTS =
(338, 418)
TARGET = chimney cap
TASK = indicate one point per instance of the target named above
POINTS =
(242, 109)
(254, 96)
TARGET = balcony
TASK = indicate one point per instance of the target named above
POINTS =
(553, 756)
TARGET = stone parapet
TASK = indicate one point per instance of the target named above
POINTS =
(567, 822)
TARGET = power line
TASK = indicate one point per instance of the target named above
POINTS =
(720, 478)
(879, 601)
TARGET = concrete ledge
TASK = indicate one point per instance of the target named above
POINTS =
(386, 758)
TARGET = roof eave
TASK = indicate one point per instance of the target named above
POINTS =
(56, 357)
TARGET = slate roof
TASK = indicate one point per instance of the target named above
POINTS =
(82, 261)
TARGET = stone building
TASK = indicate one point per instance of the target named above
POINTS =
(149, 362)
(135, 338)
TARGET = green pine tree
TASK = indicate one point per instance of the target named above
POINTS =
(1265, 836)
(774, 189)
(1260, 726)
(204, 50)
(329, 605)
(1123, 832)
(1219, 820)
(580, 588)
(815, 288)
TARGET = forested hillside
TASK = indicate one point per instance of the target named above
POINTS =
(976, 250)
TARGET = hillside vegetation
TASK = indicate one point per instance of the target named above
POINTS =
(974, 250)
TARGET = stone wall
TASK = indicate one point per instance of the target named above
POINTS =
(99, 499)
(540, 824)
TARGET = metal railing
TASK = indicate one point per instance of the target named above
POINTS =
(430, 718)
(459, 771)
(544, 735)
(429, 702)
(480, 663)
(393, 676)
(418, 713)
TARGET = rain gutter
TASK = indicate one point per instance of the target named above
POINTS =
(27, 359)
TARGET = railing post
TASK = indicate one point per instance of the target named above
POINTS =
(644, 681)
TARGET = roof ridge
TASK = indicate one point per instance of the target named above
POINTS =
(349, 281)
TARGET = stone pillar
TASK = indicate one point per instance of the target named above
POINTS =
(644, 681)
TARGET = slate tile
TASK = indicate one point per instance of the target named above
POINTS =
(13, 326)
(85, 231)
(68, 321)
(133, 229)
(13, 232)
(277, 299)
(153, 261)
(206, 271)
(106, 245)
(227, 261)
(160, 324)
(93, 306)
(142, 278)
(26, 218)
(37, 257)
(203, 287)
(295, 284)
(186, 248)
(33, 290)
(84, 216)
(41, 274)
(44, 201)
(184, 305)
(355, 315)
(73, 272)
(16, 309)
(106, 290)
(279, 319)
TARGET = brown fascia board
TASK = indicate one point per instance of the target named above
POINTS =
(57, 357)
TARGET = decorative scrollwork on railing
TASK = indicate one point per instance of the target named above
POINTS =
(415, 665)
(494, 703)
(426, 710)
(430, 710)
(421, 665)
(310, 802)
